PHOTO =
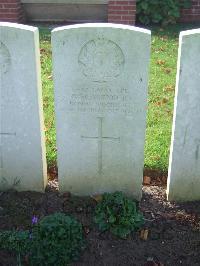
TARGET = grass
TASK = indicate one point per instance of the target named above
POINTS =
(48, 96)
(162, 81)
(160, 99)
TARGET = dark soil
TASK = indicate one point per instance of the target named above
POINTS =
(173, 229)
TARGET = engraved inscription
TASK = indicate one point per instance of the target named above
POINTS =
(5, 58)
(101, 60)
(101, 99)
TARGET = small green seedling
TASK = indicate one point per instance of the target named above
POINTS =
(119, 214)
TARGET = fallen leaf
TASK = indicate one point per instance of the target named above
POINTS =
(160, 62)
(47, 140)
(42, 50)
(97, 197)
(144, 234)
(158, 103)
(162, 49)
(165, 100)
(147, 180)
(156, 158)
(167, 70)
(169, 88)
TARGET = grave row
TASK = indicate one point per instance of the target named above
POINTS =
(100, 82)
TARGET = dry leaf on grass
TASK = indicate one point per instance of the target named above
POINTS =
(160, 62)
(97, 197)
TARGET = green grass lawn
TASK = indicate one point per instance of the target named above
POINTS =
(160, 99)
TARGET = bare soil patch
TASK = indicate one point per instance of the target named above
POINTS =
(172, 230)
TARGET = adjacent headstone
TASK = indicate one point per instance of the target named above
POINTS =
(100, 74)
(22, 148)
(184, 164)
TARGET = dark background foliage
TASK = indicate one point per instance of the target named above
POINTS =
(159, 11)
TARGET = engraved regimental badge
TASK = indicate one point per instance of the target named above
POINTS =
(101, 60)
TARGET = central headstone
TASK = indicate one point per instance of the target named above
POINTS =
(101, 77)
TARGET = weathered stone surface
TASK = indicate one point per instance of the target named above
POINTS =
(184, 164)
(22, 157)
(100, 74)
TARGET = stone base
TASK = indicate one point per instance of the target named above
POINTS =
(67, 11)
(61, 12)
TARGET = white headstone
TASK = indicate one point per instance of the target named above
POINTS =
(100, 74)
(22, 148)
(184, 164)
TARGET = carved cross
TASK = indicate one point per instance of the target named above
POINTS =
(100, 139)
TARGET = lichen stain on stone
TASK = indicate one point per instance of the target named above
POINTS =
(5, 58)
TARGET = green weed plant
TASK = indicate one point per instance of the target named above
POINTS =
(56, 240)
(159, 11)
(118, 214)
